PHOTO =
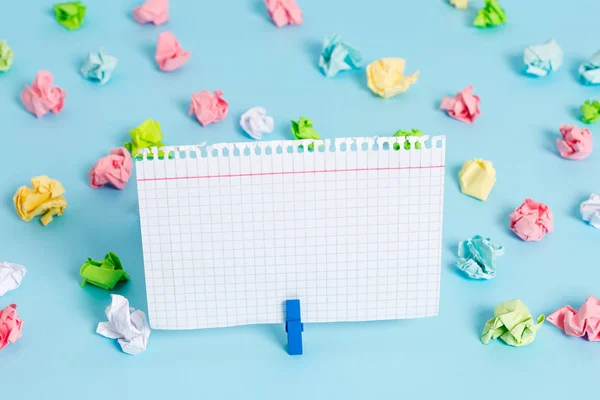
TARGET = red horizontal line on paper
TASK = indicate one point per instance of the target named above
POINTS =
(286, 173)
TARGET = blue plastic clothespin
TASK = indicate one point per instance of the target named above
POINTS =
(293, 326)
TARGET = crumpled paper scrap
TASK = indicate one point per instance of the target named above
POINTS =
(590, 111)
(126, 324)
(105, 274)
(582, 322)
(115, 169)
(99, 67)
(10, 325)
(542, 59)
(155, 11)
(255, 122)
(461, 4)
(11, 276)
(303, 129)
(477, 178)
(284, 12)
(338, 56)
(145, 136)
(385, 77)
(589, 72)
(492, 14)
(401, 133)
(42, 97)
(6, 56)
(45, 198)
(576, 143)
(169, 54)
(208, 107)
(463, 107)
(477, 257)
(590, 210)
(512, 323)
(531, 220)
(70, 15)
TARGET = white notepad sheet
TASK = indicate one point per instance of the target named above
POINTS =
(352, 228)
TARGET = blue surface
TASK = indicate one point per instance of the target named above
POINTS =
(235, 48)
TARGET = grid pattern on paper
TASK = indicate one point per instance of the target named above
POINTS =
(355, 236)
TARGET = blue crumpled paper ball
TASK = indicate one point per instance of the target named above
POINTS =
(99, 67)
(478, 257)
(589, 72)
(542, 59)
(338, 56)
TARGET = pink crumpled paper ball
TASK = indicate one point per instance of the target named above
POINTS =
(42, 97)
(463, 107)
(208, 107)
(10, 325)
(155, 11)
(284, 12)
(531, 220)
(115, 168)
(576, 143)
(169, 54)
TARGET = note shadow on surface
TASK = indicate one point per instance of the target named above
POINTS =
(515, 62)
(574, 68)
(550, 137)
(277, 333)
(313, 49)
(259, 8)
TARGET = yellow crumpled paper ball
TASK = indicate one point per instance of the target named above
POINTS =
(44, 199)
(462, 4)
(386, 78)
(477, 178)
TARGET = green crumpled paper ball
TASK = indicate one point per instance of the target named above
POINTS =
(590, 111)
(145, 136)
(105, 274)
(414, 132)
(303, 129)
(512, 323)
(70, 15)
(492, 14)
(6, 56)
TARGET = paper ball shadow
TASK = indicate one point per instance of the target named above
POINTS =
(313, 49)
(516, 64)
(259, 8)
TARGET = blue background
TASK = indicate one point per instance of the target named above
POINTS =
(237, 49)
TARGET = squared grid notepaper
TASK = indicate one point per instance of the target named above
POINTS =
(352, 228)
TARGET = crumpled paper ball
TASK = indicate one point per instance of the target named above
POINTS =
(513, 324)
(145, 136)
(463, 107)
(11, 275)
(6, 56)
(208, 107)
(590, 111)
(114, 169)
(284, 12)
(460, 4)
(589, 72)
(10, 325)
(531, 220)
(590, 210)
(385, 77)
(42, 97)
(126, 324)
(255, 122)
(45, 198)
(580, 323)
(154, 11)
(338, 56)
(303, 129)
(576, 143)
(542, 59)
(477, 178)
(70, 15)
(477, 257)
(401, 133)
(492, 14)
(169, 54)
(99, 67)
(104, 274)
